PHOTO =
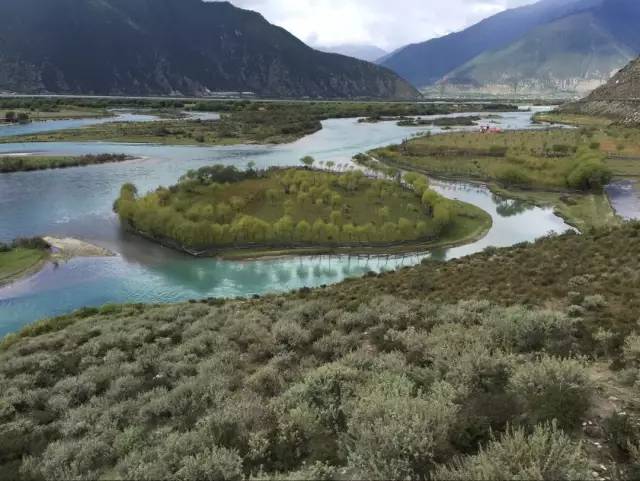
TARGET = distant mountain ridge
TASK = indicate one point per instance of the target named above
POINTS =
(178, 47)
(369, 53)
(550, 46)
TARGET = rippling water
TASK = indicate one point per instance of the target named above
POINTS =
(77, 202)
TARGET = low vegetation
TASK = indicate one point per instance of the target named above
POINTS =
(24, 163)
(219, 207)
(20, 257)
(241, 121)
(556, 159)
(564, 168)
(386, 377)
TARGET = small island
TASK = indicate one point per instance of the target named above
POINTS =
(26, 163)
(221, 211)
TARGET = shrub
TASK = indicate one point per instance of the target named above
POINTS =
(396, 434)
(546, 454)
(552, 388)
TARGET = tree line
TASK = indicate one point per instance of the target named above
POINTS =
(186, 214)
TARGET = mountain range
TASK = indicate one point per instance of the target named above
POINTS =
(551, 46)
(178, 47)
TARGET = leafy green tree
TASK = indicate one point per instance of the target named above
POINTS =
(303, 231)
(308, 161)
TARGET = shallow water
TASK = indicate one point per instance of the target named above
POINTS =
(625, 198)
(77, 202)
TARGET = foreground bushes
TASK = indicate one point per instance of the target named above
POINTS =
(546, 454)
(289, 388)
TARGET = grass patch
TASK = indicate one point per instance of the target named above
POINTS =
(17, 262)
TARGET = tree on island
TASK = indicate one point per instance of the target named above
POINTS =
(10, 117)
(308, 161)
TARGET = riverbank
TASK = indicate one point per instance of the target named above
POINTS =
(30, 162)
(22, 262)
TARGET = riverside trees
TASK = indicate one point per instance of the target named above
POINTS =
(221, 206)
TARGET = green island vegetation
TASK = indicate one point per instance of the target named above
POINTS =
(21, 257)
(25, 163)
(520, 362)
(12, 117)
(461, 121)
(217, 209)
(241, 121)
(26, 109)
(565, 168)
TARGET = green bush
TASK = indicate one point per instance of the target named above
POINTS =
(394, 433)
(546, 454)
(552, 389)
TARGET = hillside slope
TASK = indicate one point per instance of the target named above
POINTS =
(157, 47)
(554, 46)
(386, 377)
(425, 63)
(574, 54)
(618, 99)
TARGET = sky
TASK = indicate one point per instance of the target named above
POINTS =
(388, 24)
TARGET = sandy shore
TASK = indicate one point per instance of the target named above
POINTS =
(68, 247)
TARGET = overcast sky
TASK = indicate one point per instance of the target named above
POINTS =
(386, 23)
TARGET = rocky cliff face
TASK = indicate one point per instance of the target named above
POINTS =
(618, 99)
(179, 47)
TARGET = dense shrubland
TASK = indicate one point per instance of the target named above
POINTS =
(288, 387)
(385, 377)
(218, 207)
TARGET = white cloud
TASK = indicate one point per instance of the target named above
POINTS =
(385, 23)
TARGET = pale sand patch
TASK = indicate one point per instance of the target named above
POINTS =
(68, 247)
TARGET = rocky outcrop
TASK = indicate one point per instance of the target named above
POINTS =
(618, 99)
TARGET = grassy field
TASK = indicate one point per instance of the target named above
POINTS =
(25, 163)
(523, 358)
(18, 262)
(222, 208)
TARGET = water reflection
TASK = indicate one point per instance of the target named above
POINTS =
(510, 207)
